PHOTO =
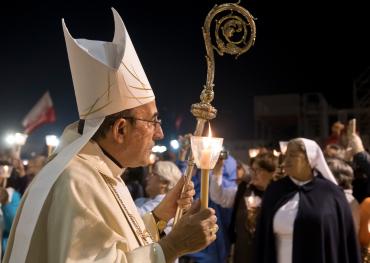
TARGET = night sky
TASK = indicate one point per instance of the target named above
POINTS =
(301, 46)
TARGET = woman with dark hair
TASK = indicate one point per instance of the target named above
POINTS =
(245, 200)
(305, 216)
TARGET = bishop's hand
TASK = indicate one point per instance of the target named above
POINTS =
(167, 208)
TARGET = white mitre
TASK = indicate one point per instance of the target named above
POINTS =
(107, 78)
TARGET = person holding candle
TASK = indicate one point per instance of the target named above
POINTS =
(245, 199)
(305, 216)
(77, 208)
(218, 251)
(9, 202)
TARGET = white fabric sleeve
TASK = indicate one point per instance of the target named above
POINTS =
(220, 195)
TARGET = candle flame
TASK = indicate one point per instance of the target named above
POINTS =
(209, 130)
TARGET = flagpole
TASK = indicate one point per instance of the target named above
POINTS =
(231, 20)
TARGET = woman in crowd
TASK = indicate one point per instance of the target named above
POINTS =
(163, 178)
(245, 200)
(343, 173)
(305, 216)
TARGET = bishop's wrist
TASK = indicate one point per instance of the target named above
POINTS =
(155, 216)
(160, 214)
(161, 224)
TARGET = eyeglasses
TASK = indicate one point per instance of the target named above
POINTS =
(153, 123)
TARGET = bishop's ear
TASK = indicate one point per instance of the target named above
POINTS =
(118, 130)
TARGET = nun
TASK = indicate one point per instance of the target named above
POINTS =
(305, 216)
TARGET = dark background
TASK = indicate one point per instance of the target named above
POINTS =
(301, 46)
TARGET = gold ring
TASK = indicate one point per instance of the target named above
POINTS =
(213, 230)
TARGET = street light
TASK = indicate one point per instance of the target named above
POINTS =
(17, 138)
(174, 144)
(16, 141)
(159, 149)
(52, 142)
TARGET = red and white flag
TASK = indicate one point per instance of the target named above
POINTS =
(42, 112)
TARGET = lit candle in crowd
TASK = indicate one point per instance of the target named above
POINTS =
(253, 152)
(206, 153)
(253, 201)
(205, 163)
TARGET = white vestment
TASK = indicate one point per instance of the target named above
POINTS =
(82, 219)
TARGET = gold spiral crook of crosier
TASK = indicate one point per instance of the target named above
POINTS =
(235, 34)
(232, 25)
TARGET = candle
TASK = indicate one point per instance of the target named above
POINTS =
(204, 188)
(5, 171)
(205, 165)
(253, 152)
(205, 158)
(206, 153)
(252, 201)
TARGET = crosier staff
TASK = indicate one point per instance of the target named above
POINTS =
(235, 34)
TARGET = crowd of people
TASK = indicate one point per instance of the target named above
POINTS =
(308, 206)
(98, 198)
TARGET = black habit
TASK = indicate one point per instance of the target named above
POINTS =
(323, 229)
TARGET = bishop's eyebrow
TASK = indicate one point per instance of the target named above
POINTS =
(155, 115)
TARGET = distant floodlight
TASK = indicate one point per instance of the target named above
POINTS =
(174, 144)
(159, 149)
(10, 139)
(18, 139)
(52, 140)
(25, 162)
(155, 149)
(162, 149)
